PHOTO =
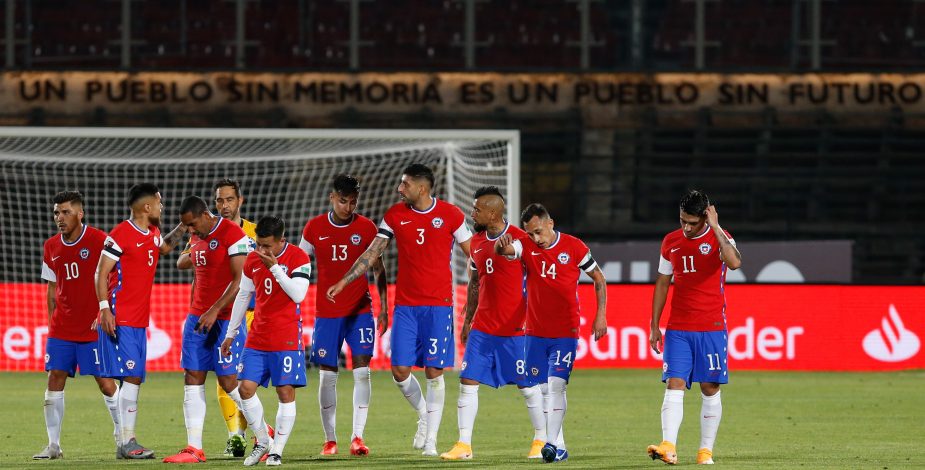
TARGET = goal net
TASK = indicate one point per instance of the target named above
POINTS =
(282, 172)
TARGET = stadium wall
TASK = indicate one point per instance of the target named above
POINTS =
(771, 327)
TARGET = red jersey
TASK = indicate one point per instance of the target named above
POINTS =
(277, 324)
(425, 248)
(72, 267)
(136, 252)
(211, 258)
(552, 284)
(502, 306)
(335, 248)
(699, 299)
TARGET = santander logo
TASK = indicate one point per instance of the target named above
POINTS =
(892, 342)
(158, 342)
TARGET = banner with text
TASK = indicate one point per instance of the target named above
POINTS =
(771, 327)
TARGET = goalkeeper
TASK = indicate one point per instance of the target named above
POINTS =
(228, 201)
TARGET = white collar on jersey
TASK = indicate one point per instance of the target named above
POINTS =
(558, 236)
(215, 227)
(434, 204)
(285, 247)
(705, 231)
(83, 230)
(143, 232)
(331, 220)
(507, 225)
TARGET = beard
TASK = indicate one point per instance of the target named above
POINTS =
(155, 221)
(479, 227)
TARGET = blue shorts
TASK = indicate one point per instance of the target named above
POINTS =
(126, 354)
(68, 356)
(203, 351)
(283, 367)
(549, 357)
(494, 360)
(359, 331)
(695, 356)
(423, 337)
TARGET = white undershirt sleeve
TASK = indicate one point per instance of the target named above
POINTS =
(296, 287)
(664, 266)
(307, 247)
(48, 274)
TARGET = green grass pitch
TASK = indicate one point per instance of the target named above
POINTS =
(770, 420)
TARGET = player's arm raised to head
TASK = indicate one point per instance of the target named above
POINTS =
(172, 239)
(727, 249)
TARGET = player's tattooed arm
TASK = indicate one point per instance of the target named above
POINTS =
(360, 266)
(659, 297)
(472, 304)
(600, 291)
(727, 251)
(172, 239)
(382, 286)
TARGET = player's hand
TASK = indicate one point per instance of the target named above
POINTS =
(503, 242)
(383, 321)
(712, 216)
(206, 320)
(335, 289)
(107, 322)
(268, 260)
(600, 327)
(226, 346)
(464, 332)
(655, 340)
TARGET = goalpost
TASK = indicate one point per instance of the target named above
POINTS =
(282, 172)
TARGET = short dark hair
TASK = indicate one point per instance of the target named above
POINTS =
(346, 185)
(533, 210)
(193, 205)
(270, 226)
(487, 191)
(419, 170)
(141, 190)
(69, 196)
(695, 202)
(233, 183)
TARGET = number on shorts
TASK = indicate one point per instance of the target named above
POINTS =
(566, 358)
(268, 286)
(521, 367)
(717, 366)
(222, 358)
(287, 364)
(96, 356)
(366, 335)
(433, 346)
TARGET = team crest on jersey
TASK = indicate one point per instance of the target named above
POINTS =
(322, 352)
(213, 244)
(129, 364)
(535, 371)
(355, 239)
(563, 257)
(157, 241)
(437, 222)
(705, 248)
(84, 253)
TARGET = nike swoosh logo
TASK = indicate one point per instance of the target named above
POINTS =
(255, 270)
(708, 417)
(534, 253)
(362, 407)
(139, 244)
(323, 238)
(131, 410)
(328, 407)
(674, 250)
(405, 222)
(480, 249)
(56, 257)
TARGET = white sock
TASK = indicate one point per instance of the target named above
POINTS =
(327, 402)
(54, 415)
(285, 420)
(253, 413)
(534, 399)
(362, 392)
(112, 404)
(468, 407)
(557, 406)
(436, 395)
(711, 413)
(194, 413)
(559, 441)
(128, 410)
(411, 389)
(672, 415)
